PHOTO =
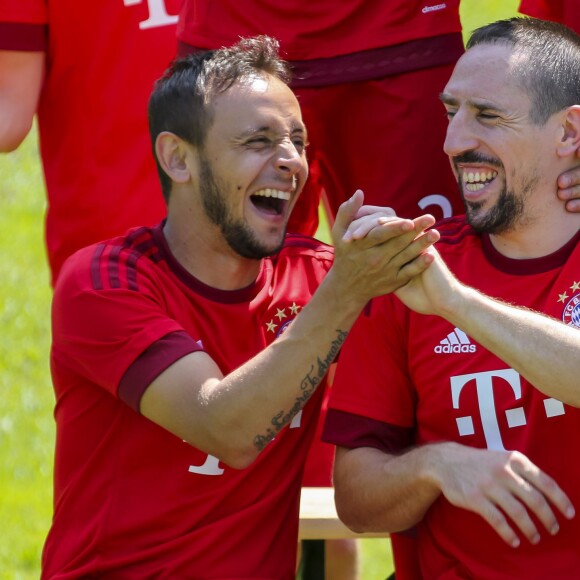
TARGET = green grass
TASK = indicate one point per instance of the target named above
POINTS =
(26, 425)
(26, 422)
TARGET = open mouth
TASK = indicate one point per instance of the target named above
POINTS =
(271, 201)
(476, 180)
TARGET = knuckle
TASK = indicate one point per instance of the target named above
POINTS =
(548, 483)
(519, 512)
(516, 457)
(536, 501)
(473, 497)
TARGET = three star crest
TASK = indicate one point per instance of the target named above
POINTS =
(281, 315)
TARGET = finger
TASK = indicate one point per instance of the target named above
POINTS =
(424, 222)
(570, 179)
(573, 205)
(346, 214)
(408, 264)
(549, 491)
(415, 267)
(418, 246)
(497, 520)
(537, 504)
(518, 512)
(376, 209)
(567, 188)
(382, 228)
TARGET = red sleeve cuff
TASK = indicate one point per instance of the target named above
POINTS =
(151, 363)
(353, 431)
(23, 36)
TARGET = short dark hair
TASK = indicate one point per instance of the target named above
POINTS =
(547, 65)
(181, 99)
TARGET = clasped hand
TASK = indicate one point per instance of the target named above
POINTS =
(377, 251)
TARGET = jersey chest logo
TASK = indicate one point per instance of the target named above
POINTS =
(571, 302)
(510, 414)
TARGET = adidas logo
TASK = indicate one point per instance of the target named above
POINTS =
(455, 342)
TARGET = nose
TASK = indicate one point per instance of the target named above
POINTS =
(461, 136)
(289, 160)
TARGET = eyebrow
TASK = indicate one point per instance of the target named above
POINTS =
(450, 101)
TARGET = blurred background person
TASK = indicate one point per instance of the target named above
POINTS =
(86, 70)
(564, 11)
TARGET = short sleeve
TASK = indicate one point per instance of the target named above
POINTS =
(23, 25)
(100, 334)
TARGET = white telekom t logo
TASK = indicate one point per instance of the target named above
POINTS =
(484, 387)
(158, 15)
(211, 466)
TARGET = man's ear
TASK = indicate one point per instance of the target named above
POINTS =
(569, 143)
(171, 154)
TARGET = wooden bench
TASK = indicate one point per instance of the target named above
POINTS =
(319, 520)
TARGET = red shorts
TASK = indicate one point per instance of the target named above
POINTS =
(383, 136)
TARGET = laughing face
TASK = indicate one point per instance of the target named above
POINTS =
(253, 165)
(499, 157)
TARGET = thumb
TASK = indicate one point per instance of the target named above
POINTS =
(346, 214)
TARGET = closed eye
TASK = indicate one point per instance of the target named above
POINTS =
(258, 141)
(300, 144)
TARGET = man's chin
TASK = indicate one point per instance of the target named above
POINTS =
(256, 251)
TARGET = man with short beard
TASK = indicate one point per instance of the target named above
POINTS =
(189, 359)
(455, 402)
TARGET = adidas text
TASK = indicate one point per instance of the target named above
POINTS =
(454, 348)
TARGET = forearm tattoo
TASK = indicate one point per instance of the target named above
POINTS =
(308, 385)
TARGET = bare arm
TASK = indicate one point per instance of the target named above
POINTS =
(543, 350)
(21, 76)
(234, 417)
(376, 491)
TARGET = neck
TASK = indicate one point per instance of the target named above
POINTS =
(207, 256)
(539, 234)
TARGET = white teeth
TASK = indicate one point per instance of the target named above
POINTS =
(474, 186)
(479, 177)
(285, 195)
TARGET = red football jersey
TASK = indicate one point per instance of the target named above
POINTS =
(565, 11)
(102, 60)
(321, 29)
(422, 373)
(131, 498)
